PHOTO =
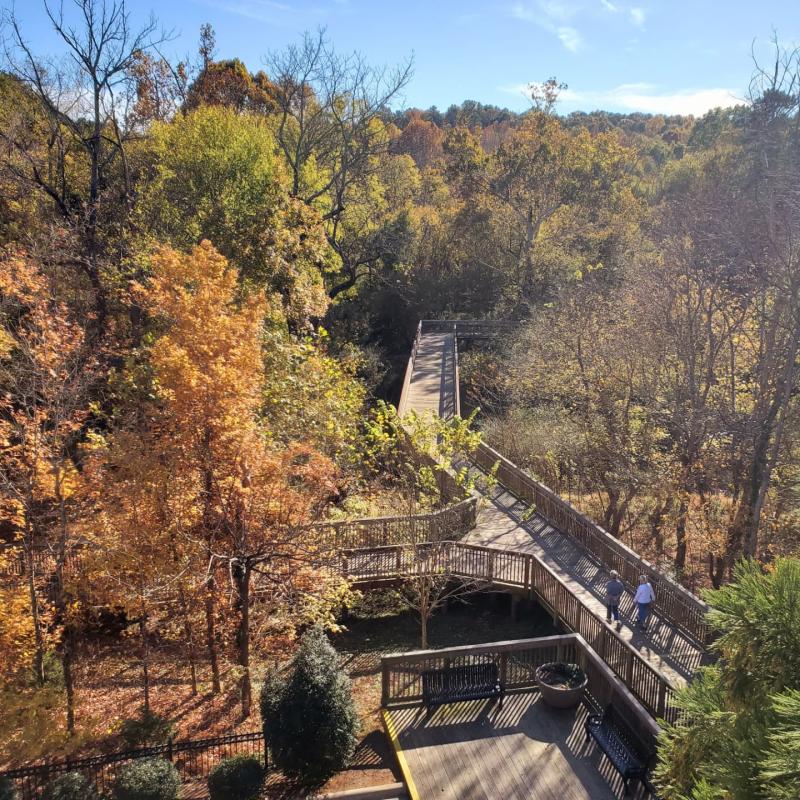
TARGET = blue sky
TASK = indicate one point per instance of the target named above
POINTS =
(669, 56)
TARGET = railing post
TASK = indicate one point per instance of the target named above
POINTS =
(527, 578)
(629, 669)
(384, 687)
(169, 749)
(503, 669)
(490, 567)
(661, 706)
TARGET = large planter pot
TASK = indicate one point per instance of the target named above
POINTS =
(561, 684)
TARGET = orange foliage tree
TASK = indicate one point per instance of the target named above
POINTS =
(47, 371)
(211, 488)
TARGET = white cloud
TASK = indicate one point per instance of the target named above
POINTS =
(570, 38)
(609, 6)
(552, 16)
(645, 97)
(638, 16)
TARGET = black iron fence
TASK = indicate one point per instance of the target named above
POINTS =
(194, 760)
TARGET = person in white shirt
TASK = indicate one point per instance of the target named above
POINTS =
(644, 598)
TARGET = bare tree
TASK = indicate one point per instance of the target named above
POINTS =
(83, 98)
(327, 105)
(768, 226)
(431, 580)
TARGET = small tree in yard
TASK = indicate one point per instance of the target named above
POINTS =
(310, 720)
(429, 584)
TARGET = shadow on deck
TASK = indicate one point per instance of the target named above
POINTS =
(478, 751)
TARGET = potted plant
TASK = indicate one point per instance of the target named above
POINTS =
(561, 684)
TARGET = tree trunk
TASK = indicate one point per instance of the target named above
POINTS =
(211, 634)
(69, 681)
(241, 577)
(68, 638)
(38, 634)
(189, 633)
(680, 538)
(145, 659)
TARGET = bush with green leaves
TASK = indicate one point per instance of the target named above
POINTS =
(148, 728)
(739, 738)
(71, 786)
(237, 778)
(7, 790)
(147, 779)
(310, 720)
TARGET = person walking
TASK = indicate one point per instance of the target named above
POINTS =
(644, 598)
(614, 589)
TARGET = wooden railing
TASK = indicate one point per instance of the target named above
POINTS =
(517, 662)
(515, 570)
(674, 603)
(452, 522)
(402, 405)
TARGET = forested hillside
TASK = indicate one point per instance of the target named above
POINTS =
(210, 280)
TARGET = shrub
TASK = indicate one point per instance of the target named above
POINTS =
(147, 729)
(237, 778)
(7, 790)
(148, 779)
(72, 786)
(310, 720)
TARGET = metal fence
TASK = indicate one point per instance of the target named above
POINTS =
(194, 760)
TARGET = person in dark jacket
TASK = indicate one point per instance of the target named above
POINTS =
(614, 590)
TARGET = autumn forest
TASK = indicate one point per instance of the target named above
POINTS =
(210, 284)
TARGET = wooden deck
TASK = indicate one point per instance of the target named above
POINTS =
(504, 521)
(477, 751)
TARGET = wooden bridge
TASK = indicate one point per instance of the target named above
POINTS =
(528, 539)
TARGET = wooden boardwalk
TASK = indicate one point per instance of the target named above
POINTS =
(502, 522)
(505, 522)
(432, 386)
(478, 751)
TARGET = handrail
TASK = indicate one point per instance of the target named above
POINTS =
(444, 524)
(673, 601)
(451, 522)
(456, 375)
(517, 662)
(403, 402)
(510, 568)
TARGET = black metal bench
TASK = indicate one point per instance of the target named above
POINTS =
(613, 736)
(469, 682)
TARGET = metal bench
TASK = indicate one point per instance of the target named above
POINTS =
(469, 682)
(613, 736)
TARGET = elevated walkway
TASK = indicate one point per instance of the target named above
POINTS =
(674, 643)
